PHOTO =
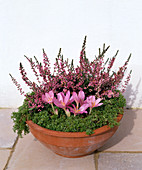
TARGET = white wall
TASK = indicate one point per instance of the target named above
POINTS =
(27, 26)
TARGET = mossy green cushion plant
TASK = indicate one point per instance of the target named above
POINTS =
(104, 115)
(72, 99)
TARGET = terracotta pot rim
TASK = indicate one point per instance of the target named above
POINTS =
(98, 131)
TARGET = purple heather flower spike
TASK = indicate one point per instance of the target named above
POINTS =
(48, 97)
(110, 94)
(93, 102)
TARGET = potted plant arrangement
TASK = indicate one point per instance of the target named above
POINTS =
(74, 110)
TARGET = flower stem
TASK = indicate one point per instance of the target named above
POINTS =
(67, 113)
(90, 110)
(53, 108)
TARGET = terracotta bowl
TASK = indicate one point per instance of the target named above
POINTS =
(72, 144)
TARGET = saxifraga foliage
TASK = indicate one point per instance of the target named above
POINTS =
(100, 116)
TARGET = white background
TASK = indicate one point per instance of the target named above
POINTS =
(27, 26)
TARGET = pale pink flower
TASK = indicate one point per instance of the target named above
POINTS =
(93, 102)
(80, 110)
(79, 98)
(48, 97)
(63, 101)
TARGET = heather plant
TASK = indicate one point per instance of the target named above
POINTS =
(72, 91)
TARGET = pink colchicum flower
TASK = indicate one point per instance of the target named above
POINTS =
(63, 101)
(48, 98)
(79, 98)
(80, 110)
(92, 102)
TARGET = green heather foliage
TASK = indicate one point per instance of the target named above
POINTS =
(100, 116)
